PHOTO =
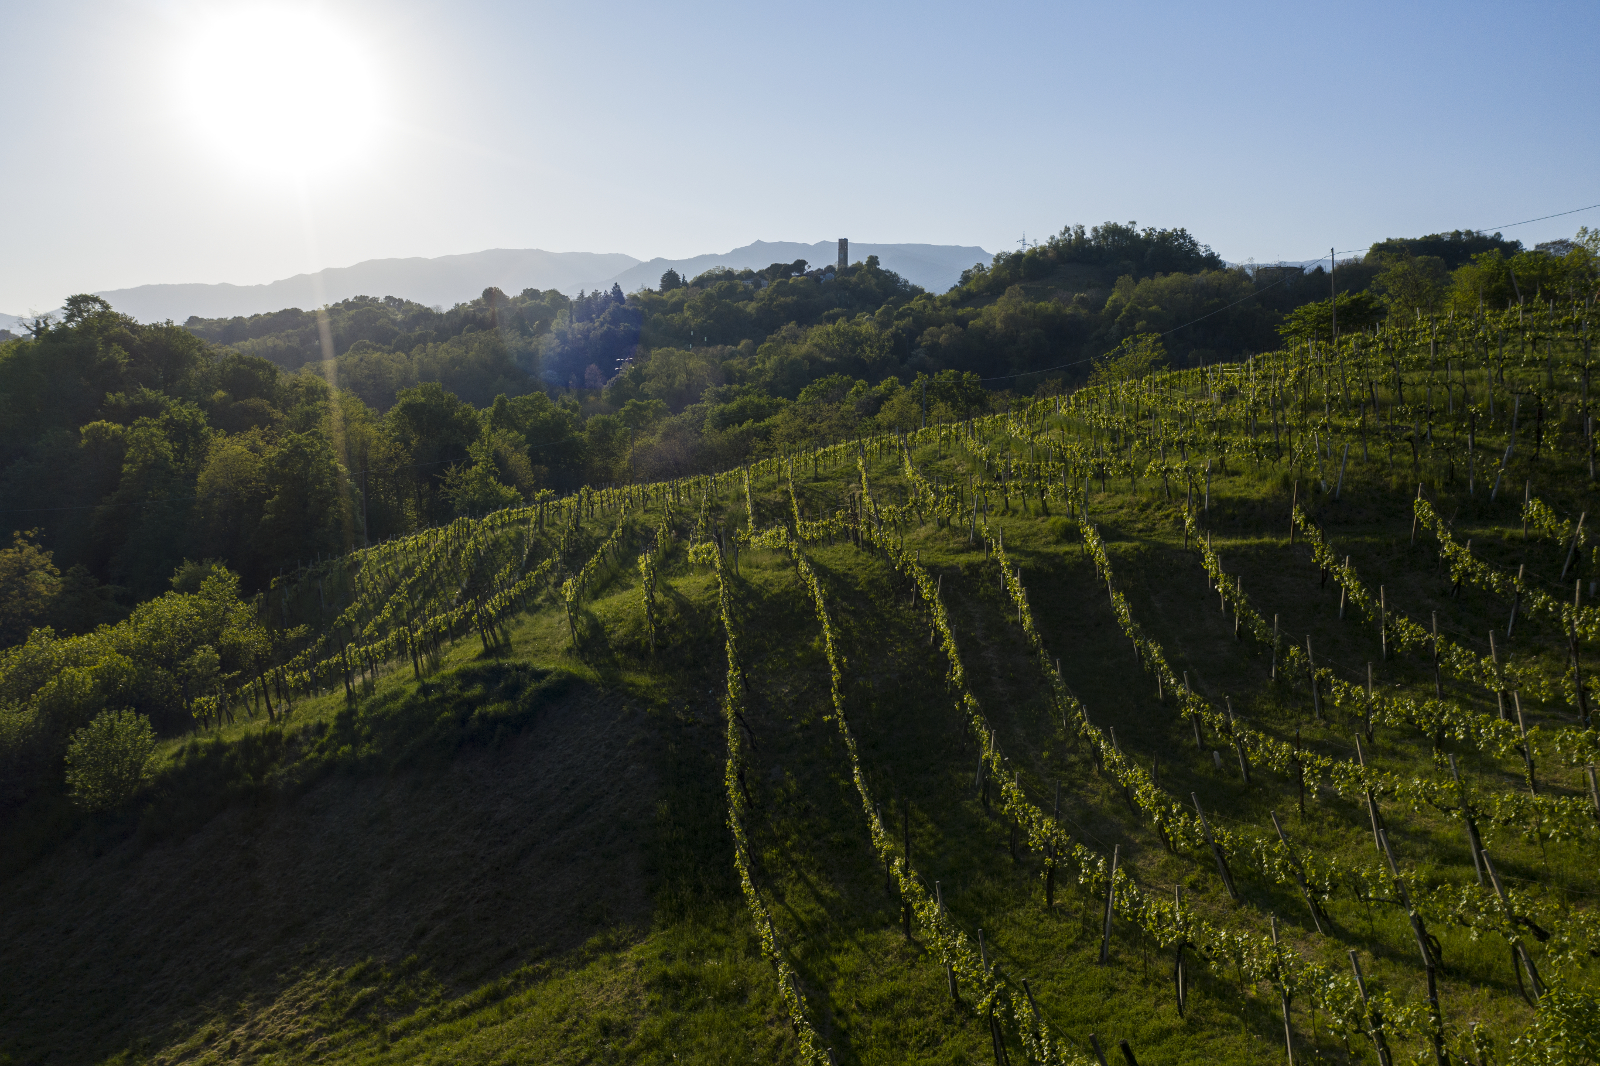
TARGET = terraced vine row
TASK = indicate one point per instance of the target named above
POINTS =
(1180, 430)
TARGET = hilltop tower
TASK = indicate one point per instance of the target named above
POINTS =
(844, 253)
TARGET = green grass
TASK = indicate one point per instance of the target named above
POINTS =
(524, 856)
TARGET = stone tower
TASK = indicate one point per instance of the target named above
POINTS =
(844, 253)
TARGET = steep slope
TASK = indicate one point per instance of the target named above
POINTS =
(468, 865)
(1008, 739)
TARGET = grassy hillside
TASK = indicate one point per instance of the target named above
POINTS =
(1003, 740)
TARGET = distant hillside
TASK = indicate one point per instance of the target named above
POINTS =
(445, 281)
(935, 267)
(451, 279)
(12, 323)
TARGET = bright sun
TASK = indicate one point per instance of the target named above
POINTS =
(280, 90)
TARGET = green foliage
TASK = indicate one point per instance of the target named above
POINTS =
(191, 576)
(29, 583)
(291, 338)
(1111, 249)
(1411, 284)
(642, 414)
(1453, 249)
(1132, 360)
(1494, 281)
(168, 654)
(1210, 313)
(108, 760)
(475, 488)
(1349, 313)
(475, 366)
(1566, 1030)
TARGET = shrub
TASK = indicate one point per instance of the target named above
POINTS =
(108, 759)
(1567, 1029)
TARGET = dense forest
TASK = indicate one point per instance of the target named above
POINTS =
(127, 449)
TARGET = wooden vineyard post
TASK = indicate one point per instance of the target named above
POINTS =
(1374, 1017)
(950, 970)
(1299, 876)
(905, 904)
(1500, 693)
(1474, 842)
(1383, 623)
(1238, 745)
(1527, 751)
(1372, 803)
(997, 1040)
(1426, 948)
(1180, 969)
(1283, 991)
(1111, 897)
(1216, 851)
(1311, 670)
(1438, 687)
(1521, 961)
(983, 776)
(1516, 599)
(1274, 647)
(1577, 536)
(1194, 716)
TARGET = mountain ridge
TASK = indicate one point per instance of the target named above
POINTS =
(447, 280)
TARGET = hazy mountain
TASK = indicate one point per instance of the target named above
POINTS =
(446, 280)
(450, 279)
(935, 267)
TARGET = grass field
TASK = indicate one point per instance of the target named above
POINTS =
(524, 855)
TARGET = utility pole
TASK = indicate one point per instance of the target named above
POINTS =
(1333, 296)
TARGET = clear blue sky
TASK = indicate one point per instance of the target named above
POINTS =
(137, 148)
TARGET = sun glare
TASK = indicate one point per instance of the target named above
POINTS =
(280, 90)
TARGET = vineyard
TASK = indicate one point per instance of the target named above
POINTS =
(1240, 713)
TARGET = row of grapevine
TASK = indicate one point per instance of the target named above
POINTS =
(991, 996)
(811, 1049)
(1169, 924)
